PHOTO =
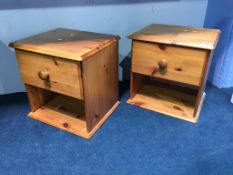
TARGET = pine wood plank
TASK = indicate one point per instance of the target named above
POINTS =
(71, 119)
(136, 82)
(100, 80)
(166, 100)
(60, 112)
(178, 35)
(65, 75)
(66, 43)
(198, 107)
(37, 97)
(183, 64)
(205, 72)
(103, 119)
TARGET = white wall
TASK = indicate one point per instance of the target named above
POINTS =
(121, 19)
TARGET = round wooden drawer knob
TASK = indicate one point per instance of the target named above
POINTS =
(43, 75)
(163, 64)
(65, 125)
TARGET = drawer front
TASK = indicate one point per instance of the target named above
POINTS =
(185, 65)
(55, 74)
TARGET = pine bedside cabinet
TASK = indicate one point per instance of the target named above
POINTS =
(169, 69)
(71, 78)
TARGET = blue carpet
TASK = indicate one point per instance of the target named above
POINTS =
(132, 141)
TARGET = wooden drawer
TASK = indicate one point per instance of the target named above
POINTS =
(64, 75)
(184, 65)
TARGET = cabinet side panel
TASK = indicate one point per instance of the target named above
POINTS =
(136, 80)
(100, 80)
(205, 72)
(37, 97)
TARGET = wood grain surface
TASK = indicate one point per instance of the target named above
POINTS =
(66, 43)
(183, 64)
(178, 35)
(166, 101)
(65, 75)
(100, 80)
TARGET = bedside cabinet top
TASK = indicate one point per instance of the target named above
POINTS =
(66, 43)
(178, 35)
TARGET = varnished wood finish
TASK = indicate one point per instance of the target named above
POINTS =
(165, 100)
(71, 78)
(59, 113)
(182, 64)
(100, 81)
(37, 97)
(205, 72)
(171, 55)
(169, 102)
(179, 35)
(66, 43)
(103, 119)
(64, 75)
(51, 114)
(136, 82)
